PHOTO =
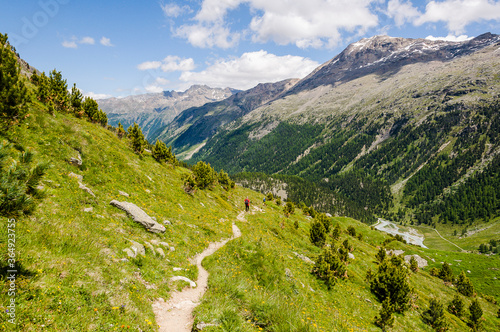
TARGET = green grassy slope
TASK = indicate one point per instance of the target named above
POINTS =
(72, 275)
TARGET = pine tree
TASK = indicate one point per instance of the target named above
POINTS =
(289, 208)
(19, 181)
(321, 217)
(204, 174)
(329, 267)
(76, 100)
(464, 285)
(136, 138)
(385, 320)
(413, 264)
(317, 234)
(14, 97)
(58, 90)
(457, 306)
(120, 131)
(391, 281)
(90, 109)
(336, 232)
(476, 312)
(381, 255)
(161, 153)
(434, 316)
(446, 273)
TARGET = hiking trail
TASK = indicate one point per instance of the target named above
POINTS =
(176, 314)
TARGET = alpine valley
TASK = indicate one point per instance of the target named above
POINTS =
(373, 187)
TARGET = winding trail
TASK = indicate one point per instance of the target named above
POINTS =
(443, 237)
(176, 315)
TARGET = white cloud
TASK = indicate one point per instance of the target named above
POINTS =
(149, 65)
(451, 38)
(170, 63)
(456, 14)
(106, 41)
(250, 69)
(174, 10)
(96, 95)
(175, 63)
(207, 35)
(87, 40)
(157, 86)
(69, 44)
(312, 23)
(402, 12)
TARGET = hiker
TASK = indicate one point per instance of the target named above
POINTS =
(247, 204)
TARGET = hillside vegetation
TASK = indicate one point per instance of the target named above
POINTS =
(74, 272)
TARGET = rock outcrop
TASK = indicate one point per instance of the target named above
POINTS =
(139, 216)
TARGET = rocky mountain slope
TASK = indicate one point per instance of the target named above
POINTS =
(154, 110)
(373, 123)
(195, 125)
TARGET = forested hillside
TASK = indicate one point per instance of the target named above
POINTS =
(419, 142)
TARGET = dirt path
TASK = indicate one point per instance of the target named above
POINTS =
(176, 315)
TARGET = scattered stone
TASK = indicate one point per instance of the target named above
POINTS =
(138, 248)
(150, 247)
(154, 242)
(328, 215)
(351, 256)
(202, 204)
(200, 326)
(129, 252)
(394, 252)
(468, 271)
(88, 209)
(149, 178)
(123, 193)
(160, 252)
(99, 216)
(304, 258)
(178, 269)
(191, 282)
(288, 273)
(148, 151)
(182, 208)
(40, 187)
(75, 161)
(167, 222)
(165, 244)
(421, 262)
(83, 187)
(368, 300)
(76, 176)
(148, 191)
(139, 216)
(172, 249)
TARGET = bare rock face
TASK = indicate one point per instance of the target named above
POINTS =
(420, 261)
(139, 216)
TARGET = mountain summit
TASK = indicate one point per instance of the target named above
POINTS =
(384, 54)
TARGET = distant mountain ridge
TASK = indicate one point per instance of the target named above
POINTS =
(154, 110)
(197, 124)
(384, 54)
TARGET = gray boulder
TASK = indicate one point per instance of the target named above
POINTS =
(123, 193)
(75, 161)
(420, 261)
(76, 176)
(85, 188)
(130, 253)
(191, 282)
(139, 216)
(160, 252)
(138, 248)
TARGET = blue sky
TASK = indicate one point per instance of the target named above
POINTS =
(120, 48)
